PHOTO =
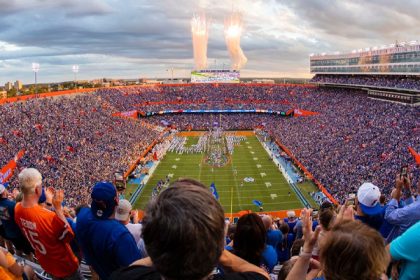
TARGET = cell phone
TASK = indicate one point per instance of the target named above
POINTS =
(351, 200)
(404, 171)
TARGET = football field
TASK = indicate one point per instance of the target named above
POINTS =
(249, 175)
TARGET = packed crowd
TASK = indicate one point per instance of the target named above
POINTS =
(353, 138)
(199, 97)
(365, 238)
(383, 81)
(72, 141)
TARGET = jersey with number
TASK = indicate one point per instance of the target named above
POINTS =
(50, 238)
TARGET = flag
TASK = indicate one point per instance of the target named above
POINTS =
(415, 155)
(257, 203)
(214, 191)
(70, 149)
(155, 157)
(38, 126)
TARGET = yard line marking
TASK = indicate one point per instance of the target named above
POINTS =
(273, 196)
(267, 184)
(255, 158)
(259, 166)
(263, 174)
(170, 175)
(174, 166)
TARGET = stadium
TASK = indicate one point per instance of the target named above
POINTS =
(212, 177)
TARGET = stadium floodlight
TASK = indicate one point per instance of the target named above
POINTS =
(35, 69)
(75, 69)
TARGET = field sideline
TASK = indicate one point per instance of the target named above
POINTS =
(249, 159)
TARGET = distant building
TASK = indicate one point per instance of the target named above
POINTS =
(3, 94)
(18, 85)
(8, 86)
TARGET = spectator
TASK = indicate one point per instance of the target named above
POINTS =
(48, 232)
(106, 244)
(405, 249)
(368, 208)
(351, 250)
(250, 242)
(273, 235)
(11, 229)
(283, 249)
(183, 230)
(123, 214)
(10, 269)
(405, 217)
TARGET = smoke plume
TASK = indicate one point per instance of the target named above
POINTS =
(200, 37)
(233, 32)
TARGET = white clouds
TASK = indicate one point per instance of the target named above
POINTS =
(143, 38)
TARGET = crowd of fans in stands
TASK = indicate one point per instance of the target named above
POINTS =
(353, 145)
(353, 138)
(398, 82)
(74, 141)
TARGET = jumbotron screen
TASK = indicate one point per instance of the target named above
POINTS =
(215, 76)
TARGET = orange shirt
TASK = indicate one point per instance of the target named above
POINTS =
(5, 274)
(50, 237)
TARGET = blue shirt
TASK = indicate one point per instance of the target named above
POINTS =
(274, 236)
(374, 221)
(269, 258)
(106, 244)
(7, 217)
(406, 248)
(402, 217)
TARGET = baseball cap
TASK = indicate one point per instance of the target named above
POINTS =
(291, 214)
(104, 199)
(2, 188)
(123, 210)
(368, 198)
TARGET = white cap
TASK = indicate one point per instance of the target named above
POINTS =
(291, 214)
(368, 197)
(123, 210)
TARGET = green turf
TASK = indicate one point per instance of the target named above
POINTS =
(191, 141)
(233, 197)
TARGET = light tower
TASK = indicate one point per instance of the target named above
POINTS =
(35, 68)
(75, 70)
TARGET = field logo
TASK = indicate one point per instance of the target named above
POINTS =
(249, 180)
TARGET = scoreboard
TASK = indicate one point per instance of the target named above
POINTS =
(215, 76)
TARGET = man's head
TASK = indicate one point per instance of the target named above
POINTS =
(30, 180)
(291, 215)
(183, 230)
(368, 197)
(268, 221)
(104, 200)
(353, 250)
(123, 210)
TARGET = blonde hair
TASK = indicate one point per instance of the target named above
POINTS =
(29, 179)
(353, 250)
